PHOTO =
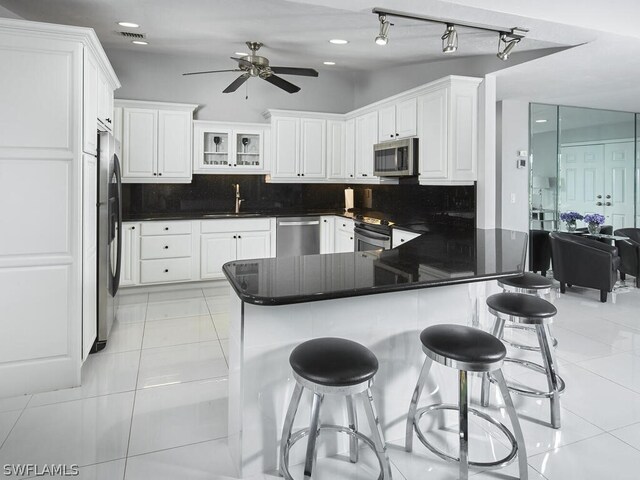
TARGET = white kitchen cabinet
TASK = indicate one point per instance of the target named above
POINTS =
(156, 141)
(299, 148)
(399, 237)
(105, 103)
(253, 245)
(90, 103)
(398, 120)
(130, 269)
(327, 234)
(228, 148)
(216, 249)
(343, 241)
(350, 149)
(366, 137)
(448, 133)
(336, 150)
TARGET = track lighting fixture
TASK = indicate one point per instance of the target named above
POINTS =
(509, 44)
(509, 36)
(450, 39)
(383, 35)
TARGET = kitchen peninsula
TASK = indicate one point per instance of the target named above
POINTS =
(381, 299)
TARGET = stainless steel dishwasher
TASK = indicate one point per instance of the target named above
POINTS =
(296, 236)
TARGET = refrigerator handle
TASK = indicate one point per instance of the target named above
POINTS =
(118, 175)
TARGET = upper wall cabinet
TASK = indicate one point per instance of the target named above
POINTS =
(397, 120)
(448, 132)
(156, 141)
(97, 93)
(366, 130)
(229, 148)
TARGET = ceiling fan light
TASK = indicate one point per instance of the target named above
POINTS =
(510, 43)
(128, 24)
(338, 41)
(450, 39)
(383, 35)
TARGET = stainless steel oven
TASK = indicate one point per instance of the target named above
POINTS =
(367, 240)
(396, 159)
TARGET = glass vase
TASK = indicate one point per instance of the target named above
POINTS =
(571, 226)
(593, 228)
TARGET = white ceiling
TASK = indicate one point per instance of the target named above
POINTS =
(294, 32)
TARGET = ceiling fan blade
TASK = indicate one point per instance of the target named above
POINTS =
(236, 83)
(282, 83)
(212, 71)
(305, 72)
(242, 61)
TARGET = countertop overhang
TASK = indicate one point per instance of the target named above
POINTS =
(437, 258)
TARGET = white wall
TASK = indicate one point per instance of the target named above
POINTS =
(151, 76)
(512, 199)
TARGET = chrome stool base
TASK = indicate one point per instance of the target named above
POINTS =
(530, 392)
(521, 346)
(507, 460)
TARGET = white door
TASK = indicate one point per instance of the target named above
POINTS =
(350, 149)
(366, 138)
(216, 249)
(619, 184)
(387, 123)
(253, 245)
(581, 179)
(344, 241)
(406, 118)
(140, 143)
(432, 132)
(130, 270)
(89, 252)
(327, 240)
(313, 148)
(105, 112)
(90, 104)
(174, 147)
(336, 166)
(286, 147)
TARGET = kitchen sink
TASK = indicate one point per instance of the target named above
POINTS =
(231, 215)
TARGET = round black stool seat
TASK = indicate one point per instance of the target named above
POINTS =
(521, 305)
(529, 280)
(463, 344)
(333, 362)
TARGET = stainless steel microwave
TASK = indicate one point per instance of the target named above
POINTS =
(398, 158)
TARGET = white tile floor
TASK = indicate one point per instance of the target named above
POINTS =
(153, 404)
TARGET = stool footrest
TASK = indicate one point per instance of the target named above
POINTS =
(337, 428)
(526, 391)
(503, 462)
(521, 346)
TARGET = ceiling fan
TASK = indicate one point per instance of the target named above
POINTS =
(254, 65)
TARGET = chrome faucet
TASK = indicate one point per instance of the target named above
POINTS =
(238, 199)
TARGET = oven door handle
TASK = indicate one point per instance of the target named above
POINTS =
(366, 233)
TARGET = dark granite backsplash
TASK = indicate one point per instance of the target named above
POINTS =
(215, 194)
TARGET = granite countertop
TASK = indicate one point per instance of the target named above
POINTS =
(443, 256)
(146, 217)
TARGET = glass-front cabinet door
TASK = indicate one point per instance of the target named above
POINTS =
(228, 148)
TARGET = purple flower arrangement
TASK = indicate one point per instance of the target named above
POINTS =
(594, 218)
(571, 217)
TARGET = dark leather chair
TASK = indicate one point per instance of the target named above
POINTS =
(606, 229)
(584, 262)
(540, 251)
(629, 253)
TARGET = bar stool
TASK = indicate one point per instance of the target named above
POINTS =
(528, 283)
(333, 366)
(524, 309)
(466, 349)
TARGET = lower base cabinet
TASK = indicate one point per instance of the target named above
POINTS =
(130, 269)
(344, 236)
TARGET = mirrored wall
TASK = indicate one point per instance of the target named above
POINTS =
(583, 160)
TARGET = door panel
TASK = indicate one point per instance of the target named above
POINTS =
(89, 253)
(406, 118)
(216, 249)
(254, 245)
(140, 145)
(313, 148)
(581, 177)
(433, 121)
(286, 147)
(387, 123)
(174, 149)
(619, 184)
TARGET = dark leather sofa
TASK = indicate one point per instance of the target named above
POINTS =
(540, 251)
(584, 262)
(629, 251)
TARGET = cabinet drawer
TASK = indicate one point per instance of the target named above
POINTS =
(235, 225)
(166, 228)
(165, 246)
(344, 224)
(166, 270)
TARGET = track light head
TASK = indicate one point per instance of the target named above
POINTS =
(450, 39)
(383, 35)
(509, 44)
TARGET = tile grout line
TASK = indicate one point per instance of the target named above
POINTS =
(135, 394)
(16, 422)
(226, 360)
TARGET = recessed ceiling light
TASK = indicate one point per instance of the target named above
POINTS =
(140, 42)
(128, 24)
(338, 41)
(542, 120)
(241, 54)
(329, 63)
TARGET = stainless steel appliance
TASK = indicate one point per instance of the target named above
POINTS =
(371, 234)
(297, 236)
(109, 235)
(396, 159)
